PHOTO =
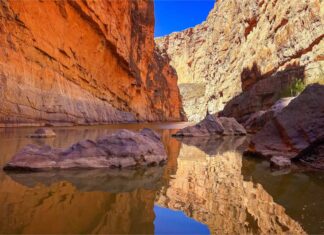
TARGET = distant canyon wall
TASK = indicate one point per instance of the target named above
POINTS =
(83, 62)
(255, 47)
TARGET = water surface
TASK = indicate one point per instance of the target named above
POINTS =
(205, 187)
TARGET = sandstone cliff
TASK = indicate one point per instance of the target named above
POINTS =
(83, 62)
(258, 47)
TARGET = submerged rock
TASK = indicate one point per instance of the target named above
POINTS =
(43, 133)
(294, 129)
(117, 150)
(213, 125)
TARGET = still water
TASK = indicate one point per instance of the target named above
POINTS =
(205, 187)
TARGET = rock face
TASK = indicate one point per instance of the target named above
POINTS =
(258, 47)
(83, 62)
(297, 127)
(213, 125)
(117, 150)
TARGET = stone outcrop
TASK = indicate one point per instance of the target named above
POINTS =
(83, 62)
(294, 129)
(121, 149)
(213, 126)
(212, 190)
(258, 47)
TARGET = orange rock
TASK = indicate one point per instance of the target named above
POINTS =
(83, 62)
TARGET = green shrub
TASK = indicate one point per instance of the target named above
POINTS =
(295, 88)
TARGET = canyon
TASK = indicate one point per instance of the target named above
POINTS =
(83, 62)
(246, 54)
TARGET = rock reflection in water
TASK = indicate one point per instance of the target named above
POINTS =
(209, 187)
(79, 202)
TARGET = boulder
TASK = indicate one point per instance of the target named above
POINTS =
(295, 128)
(258, 120)
(213, 125)
(43, 133)
(121, 149)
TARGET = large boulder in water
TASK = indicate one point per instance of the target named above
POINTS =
(295, 128)
(117, 150)
(213, 125)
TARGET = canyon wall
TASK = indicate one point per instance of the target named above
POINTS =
(255, 47)
(83, 62)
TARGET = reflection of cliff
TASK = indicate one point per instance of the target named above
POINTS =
(211, 190)
(62, 208)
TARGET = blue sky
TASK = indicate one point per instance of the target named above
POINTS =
(176, 15)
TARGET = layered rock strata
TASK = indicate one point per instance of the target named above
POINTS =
(258, 47)
(83, 62)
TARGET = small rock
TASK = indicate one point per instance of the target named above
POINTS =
(43, 133)
(280, 162)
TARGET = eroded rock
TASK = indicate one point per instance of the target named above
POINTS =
(213, 125)
(117, 150)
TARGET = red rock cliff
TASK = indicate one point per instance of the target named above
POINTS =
(83, 62)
